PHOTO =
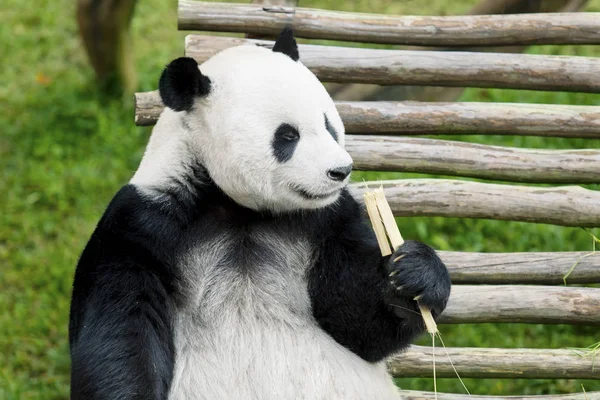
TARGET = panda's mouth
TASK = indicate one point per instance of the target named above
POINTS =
(314, 196)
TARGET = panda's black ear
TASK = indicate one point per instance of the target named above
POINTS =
(286, 44)
(181, 82)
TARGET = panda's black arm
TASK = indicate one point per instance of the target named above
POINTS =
(350, 284)
(121, 331)
(122, 345)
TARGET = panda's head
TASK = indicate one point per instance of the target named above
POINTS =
(262, 125)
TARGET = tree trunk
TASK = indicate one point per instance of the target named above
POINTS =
(104, 28)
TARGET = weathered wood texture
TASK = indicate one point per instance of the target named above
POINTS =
(148, 106)
(429, 68)
(417, 395)
(444, 157)
(432, 118)
(423, 118)
(473, 30)
(522, 304)
(354, 91)
(268, 4)
(494, 363)
(522, 268)
(566, 205)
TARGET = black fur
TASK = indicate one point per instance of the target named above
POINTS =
(353, 295)
(121, 313)
(181, 82)
(284, 142)
(286, 44)
(418, 271)
(330, 129)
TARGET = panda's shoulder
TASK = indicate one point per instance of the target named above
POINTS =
(136, 227)
(131, 209)
(142, 209)
(126, 254)
(123, 202)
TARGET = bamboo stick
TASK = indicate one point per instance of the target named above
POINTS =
(379, 210)
(378, 227)
(388, 219)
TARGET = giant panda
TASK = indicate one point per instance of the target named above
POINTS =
(236, 264)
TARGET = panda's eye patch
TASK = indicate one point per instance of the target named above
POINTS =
(284, 142)
(287, 132)
(330, 129)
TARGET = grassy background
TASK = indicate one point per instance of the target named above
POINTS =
(65, 150)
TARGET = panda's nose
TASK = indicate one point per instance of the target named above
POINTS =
(340, 173)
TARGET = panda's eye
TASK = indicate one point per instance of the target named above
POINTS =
(287, 132)
(291, 135)
(284, 142)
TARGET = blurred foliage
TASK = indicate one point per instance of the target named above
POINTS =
(65, 150)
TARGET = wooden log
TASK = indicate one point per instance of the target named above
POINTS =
(444, 157)
(355, 91)
(421, 118)
(472, 362)
(565, 205)
(148, 106)
(431, 118)
(429, 68)
(472, 30)
(522, 304)
(418, 395)
(268, 4)
(522, 268)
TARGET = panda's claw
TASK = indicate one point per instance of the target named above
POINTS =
(415, 270)
(400, 257)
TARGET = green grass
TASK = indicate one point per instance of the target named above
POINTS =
(65, 150)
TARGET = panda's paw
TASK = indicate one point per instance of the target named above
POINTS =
(415, 270)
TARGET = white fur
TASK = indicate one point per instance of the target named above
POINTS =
(252, 336)
(167, 154)
(253, 91)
